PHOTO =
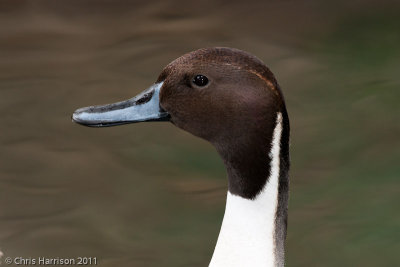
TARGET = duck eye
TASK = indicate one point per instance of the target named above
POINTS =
(200, 80)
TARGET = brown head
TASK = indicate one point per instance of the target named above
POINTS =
(223, 95)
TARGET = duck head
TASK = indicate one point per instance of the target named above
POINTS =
(223, 95)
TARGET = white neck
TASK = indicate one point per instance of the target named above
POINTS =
(247, 236)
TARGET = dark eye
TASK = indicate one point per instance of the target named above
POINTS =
(200, 80)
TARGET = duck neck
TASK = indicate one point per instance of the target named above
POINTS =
(254, 226)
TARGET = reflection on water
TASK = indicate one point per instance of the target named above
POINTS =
(151, 195)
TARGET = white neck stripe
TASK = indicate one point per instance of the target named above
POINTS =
(247, 236)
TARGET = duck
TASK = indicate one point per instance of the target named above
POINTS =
(231, 99)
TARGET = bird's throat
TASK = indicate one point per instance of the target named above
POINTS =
(250, 234)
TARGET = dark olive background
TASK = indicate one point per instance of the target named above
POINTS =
(153, 195)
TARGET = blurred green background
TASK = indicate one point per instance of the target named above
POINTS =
(153, 195)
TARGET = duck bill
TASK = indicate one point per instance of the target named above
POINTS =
(143, 107)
